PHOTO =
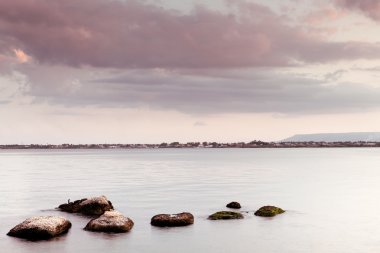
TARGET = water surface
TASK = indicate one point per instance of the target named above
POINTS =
(331, 197)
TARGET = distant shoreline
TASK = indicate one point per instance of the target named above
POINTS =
(253, 144)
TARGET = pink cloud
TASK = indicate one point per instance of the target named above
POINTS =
(324, 15)
(134, 34)
(21, 56)
(370, 8)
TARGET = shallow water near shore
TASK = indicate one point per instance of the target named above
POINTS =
(331, 197)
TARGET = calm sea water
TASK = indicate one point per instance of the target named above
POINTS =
(332, 198)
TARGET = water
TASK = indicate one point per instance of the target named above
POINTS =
(331, 197)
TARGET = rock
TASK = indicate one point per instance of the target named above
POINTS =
(269, 211)
(95, 206)
(225, 215)
(92, 206)
(172, 220)
(41, 228)
(110, 222)
(234, 205)
(71, 207)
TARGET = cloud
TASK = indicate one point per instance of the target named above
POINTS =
(260, 91)
(21, 56)
(136, 34)
(12, 86)
(132, 54)
(335, 76)
(370, 8)
(370, 69)
(323, 15)
(199, 124)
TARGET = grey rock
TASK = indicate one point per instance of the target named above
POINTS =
(110, 222)
(41, 228)
(172, 220)
(92, 206)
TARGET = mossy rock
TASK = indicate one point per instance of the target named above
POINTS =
(225, 215)
(269, 211)
(234, 205)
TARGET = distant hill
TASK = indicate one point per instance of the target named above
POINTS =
(336, 137)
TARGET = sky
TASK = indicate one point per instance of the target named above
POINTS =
(144, 71)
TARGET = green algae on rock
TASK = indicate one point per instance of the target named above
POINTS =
(225, 215)
(269, 211)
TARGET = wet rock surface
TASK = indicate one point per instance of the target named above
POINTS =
(225, 215)
(269, 211)
(41, 228)
(110, 222)
(91, 206)
(172, 220)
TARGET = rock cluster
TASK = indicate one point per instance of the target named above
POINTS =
(107, 220)
(111, 221)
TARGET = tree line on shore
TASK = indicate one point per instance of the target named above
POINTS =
(205, 144)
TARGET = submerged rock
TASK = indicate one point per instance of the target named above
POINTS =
(269, 211)
(234, 205)
(110, 222)
(172, 220)
(91, 206)
(41, 228)
(225, 215)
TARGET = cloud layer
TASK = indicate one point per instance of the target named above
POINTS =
(370, 8)
(135, 34)
(131, 54)
(227, 92)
